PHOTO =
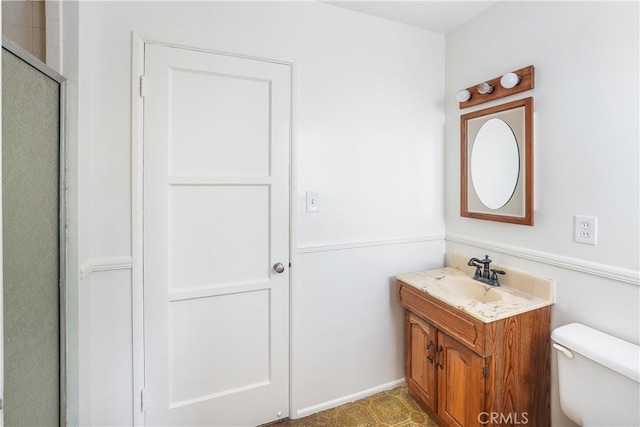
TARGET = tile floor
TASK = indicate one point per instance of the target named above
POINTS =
(393, 408)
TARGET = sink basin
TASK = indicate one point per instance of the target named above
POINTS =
(464, 287)
(455, 287)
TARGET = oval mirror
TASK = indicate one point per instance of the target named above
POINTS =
(495, 163)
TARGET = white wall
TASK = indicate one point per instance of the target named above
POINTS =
(77, 70)
(368, 132)
(586, 58)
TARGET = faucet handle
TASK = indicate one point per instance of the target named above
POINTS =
(478, 272)
(494, 275)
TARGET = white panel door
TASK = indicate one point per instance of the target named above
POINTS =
(216, 222)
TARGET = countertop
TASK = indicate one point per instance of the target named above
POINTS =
(514, 300)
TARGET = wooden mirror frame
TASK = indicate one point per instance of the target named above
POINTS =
(522, 198)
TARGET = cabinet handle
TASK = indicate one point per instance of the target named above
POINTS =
(430, 356)
(438, 363)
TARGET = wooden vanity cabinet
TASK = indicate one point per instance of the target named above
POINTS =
(465, 372)
(445, 375)
(461, 383)
(422, 344)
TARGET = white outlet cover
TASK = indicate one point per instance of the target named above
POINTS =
(585, 229)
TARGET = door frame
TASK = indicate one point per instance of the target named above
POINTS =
(138, 43)
(64, 285)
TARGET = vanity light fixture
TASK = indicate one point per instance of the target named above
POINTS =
(509, 80)
(499, 87)
(463, 95)
(484, 88)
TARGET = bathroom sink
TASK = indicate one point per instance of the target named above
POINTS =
(464, 287)
(455, 286)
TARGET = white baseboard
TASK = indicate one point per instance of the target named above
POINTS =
(347, 399)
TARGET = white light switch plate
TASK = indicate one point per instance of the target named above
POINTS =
(313, 201)
(585, 229)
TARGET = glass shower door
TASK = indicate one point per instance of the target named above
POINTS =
(31, 242)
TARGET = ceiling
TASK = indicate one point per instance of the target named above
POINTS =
(438, 16)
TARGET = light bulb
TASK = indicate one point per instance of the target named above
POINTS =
(485, 88)
(509, 80)
(463, 95)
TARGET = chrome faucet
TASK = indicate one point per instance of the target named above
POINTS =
(484, 273)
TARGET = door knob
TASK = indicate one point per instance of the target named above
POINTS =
(278, 267)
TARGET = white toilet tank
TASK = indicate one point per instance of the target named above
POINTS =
(598, 376)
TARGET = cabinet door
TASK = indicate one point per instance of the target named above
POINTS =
(420, 356)
(461, 383)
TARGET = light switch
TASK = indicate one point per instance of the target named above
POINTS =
(313, 201)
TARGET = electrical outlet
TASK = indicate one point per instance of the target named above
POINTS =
(585, 229)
